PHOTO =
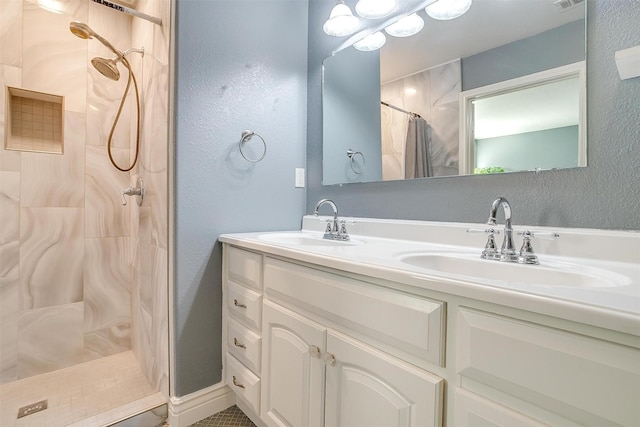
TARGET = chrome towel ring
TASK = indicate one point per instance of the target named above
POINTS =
(355, 167)
(247, 135)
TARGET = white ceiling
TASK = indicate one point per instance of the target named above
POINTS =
(487, 24)
(549, 106)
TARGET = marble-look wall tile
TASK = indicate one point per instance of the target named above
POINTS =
(112, 25)
(106, 342)
(445, 139)
(436, 100)
(106, 283)
(160, 332)
(144, 261)
(9, 271)
(107, 297)
(50, 339)
(157, 184)
(104, 214)
(9, 208)
(160, 33)
(76, 9)
(446, 83)
(51, 256)
(9, 304)
(417, 94)
(103, 99)
(141, 277)
(9, 76)
(9, 274)
(11, 32)
(57, 180)
(54, 60)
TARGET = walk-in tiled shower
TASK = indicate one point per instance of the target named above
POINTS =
(82, 277)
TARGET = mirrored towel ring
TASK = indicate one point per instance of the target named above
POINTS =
(355, 167)
(247, 135)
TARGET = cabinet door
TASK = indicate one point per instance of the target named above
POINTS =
(292, 371)
(474, 411)
(368, 388)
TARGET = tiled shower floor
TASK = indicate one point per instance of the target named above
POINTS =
(91, 394)
(231, 417)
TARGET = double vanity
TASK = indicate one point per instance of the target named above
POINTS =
(403, 323)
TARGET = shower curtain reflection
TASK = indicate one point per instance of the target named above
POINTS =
(417, 158)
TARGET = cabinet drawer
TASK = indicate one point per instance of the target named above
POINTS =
(244, 267)
(472, 410)
(244, 344)
(590, 381)
(243, 382)
(402, 324)
(244, 305)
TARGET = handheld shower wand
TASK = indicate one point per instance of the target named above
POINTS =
(109, 68)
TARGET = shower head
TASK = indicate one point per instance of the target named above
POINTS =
(106, 67)
(82, 30)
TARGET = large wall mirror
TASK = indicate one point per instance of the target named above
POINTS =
(500, 89)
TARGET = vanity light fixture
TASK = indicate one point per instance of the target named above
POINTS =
(371, 42)
(341, 21)
(405, 27)
(447, 9)
(374, 9)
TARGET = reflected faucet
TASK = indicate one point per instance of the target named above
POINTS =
(333, 232)
(508, 251)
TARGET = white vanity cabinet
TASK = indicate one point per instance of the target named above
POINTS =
(242, 322)
(312, 343)
(315, 373)
(583, 380)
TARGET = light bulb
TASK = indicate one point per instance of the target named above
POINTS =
(405, 27)
(371, 42)
(374, 9)
(341, 21)
(447, 9)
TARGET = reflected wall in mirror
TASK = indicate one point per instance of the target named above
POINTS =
(401, 106)
(531, 123)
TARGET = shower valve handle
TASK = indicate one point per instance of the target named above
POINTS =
(138, 190)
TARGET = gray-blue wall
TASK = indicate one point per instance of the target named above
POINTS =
(351, 116)
(240, 65)
(554, 48)
(544, 149)
(606, 194)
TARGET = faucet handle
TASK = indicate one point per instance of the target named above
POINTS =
(344, 235)
(482, 231)
(539, 235)
(527, 256)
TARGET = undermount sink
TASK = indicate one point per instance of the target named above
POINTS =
(551, 274)
(304, 239)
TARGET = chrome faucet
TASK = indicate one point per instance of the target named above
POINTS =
(508, 251)
(333, 231)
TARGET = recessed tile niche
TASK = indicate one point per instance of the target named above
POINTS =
(34, 121)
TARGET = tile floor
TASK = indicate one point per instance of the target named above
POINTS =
(231, 417)
(91, 394)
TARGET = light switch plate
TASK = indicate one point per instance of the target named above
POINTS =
(628, 62)
(299, 177)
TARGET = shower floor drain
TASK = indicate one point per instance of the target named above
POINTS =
(32, 408)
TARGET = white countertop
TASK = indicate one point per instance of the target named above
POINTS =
(613, 256)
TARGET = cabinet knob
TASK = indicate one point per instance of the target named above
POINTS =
(237, 304)
(236, 383)
(329, 359)
(238, 343)
(314, 351)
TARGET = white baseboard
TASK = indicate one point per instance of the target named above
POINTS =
(189, 409)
